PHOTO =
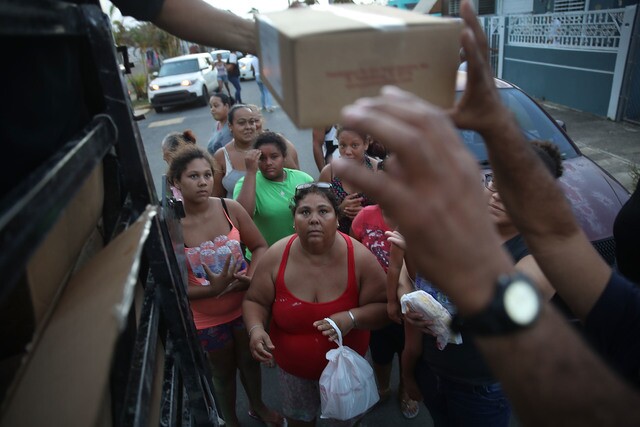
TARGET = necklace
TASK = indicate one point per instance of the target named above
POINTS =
(235, 146)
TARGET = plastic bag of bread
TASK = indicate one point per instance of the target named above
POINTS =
(431, 309)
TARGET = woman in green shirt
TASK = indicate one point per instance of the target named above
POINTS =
(268, 187)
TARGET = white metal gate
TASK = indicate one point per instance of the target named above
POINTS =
(494, 29)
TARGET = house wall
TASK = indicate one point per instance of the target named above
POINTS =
(610, 4)
(544, 6)
(517, 6)
(585, 60)
(579, 79)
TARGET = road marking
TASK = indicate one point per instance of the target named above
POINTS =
(168, 122)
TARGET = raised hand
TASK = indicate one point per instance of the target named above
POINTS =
(251, 160)
(351, 205)
(480, 107)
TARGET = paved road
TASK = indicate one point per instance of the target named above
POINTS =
(615, 146)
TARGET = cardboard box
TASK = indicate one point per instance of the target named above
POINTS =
(65, 245)
(316, 60)
(66, 380)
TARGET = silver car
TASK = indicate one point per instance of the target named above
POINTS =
(183, 79)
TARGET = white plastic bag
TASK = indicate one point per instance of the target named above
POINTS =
(421, 302)
(347, 385)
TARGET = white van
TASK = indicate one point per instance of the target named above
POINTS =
(182, 80)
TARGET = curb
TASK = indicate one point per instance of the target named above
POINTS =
(141, 111)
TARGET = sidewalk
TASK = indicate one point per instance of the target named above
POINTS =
(615, 146)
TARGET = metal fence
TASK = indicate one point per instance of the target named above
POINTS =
(595, 30)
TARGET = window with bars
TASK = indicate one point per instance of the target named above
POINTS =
(454, 7)
(568, 5)
(484, 7)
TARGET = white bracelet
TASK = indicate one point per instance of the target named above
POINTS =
(353, 319)
(259, 325)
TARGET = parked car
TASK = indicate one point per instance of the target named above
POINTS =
(246, 73)
(183, 79)
(596, 197)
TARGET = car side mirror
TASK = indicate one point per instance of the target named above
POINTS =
(562, 124)
(154, 74)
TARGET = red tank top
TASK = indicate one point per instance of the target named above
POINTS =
(300, 347)
(208, 312)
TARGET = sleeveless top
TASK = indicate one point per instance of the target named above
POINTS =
(231, 175)
(221, 68)
(300, 347)
(341, 194)
(220, 137)
(208, 312)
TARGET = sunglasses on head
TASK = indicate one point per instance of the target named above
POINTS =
(320, 185)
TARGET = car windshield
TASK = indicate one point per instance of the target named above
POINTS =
(535, 124)
(178, 67)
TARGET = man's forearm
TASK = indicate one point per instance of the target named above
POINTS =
(540, 211)
(199, 22)
(534, 191)
(556, 386)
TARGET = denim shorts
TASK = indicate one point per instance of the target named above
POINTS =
(453, 403)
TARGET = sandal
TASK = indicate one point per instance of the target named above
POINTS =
(275, 420)
(409, 407)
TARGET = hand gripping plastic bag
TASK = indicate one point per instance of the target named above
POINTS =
(347, 385)
(421, 302)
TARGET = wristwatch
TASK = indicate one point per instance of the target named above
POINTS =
(515, 305)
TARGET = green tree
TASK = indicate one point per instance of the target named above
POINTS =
(144, 37)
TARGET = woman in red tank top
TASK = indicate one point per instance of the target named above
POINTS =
(302, 279)
(216, 304)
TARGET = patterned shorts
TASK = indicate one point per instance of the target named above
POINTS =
(216, 337)
(301, 400)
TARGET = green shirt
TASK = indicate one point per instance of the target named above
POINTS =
(272, 214)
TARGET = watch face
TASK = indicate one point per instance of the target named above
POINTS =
(521, 302)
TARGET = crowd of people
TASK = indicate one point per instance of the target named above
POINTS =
(377, 226)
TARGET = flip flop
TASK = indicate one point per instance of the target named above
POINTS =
(409, 408)
(281, 421)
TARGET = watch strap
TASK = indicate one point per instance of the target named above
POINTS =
(494, 319)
